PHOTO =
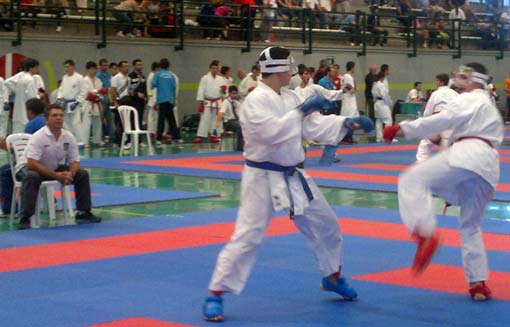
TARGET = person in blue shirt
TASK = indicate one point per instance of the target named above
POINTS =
(105, 76)
(164, 82)
(35, 115)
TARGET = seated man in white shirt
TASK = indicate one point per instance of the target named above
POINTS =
(228, 116)
(52, 154)
(415, 94)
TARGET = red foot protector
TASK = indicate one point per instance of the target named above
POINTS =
(440, 278)
(140, 322)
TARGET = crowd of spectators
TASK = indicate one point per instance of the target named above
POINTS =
(256, 19)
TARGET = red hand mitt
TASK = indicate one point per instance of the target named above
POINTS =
(389, 132)
(201, 107)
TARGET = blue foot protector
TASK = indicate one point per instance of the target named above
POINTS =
(213, 308)
(341, 288)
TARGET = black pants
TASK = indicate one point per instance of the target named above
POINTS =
(234, 127)
(166, 111)
(31, 182)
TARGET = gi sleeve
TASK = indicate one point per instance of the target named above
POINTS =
(324, 129)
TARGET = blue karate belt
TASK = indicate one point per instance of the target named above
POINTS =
(287, 171)
(66, 102)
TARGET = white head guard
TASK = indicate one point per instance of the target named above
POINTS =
(270, 65)
(466, 72)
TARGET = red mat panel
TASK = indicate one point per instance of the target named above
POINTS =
(440, 278)
(140, 322)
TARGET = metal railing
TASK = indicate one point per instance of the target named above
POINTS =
(250, 23)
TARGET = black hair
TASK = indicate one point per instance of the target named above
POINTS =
(350, 65)
(477, 67)
(232, 88)
(416, 84)
(155, 65)
(90, 64)
(302, 69)
(113, 64)
(103, 61)
(443, 78)
(164, 63)
(69, 62)
(255, 67)
(384, 68)
(380, 75)
(135, 61)
(122, 62)
(214, 63)
(224, 69)
(29, 63)
(51, 106)
(35, 105)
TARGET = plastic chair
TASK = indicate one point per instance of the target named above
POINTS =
(16, 143)
(125, 113)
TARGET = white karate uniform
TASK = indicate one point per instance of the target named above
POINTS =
(311, 89)
(349, 105)
(4, 115)
(466, 174)
(273, 131)
(414, 94)
(91, 113)
(437, 102)
(70, 89)
(382, 108)
(152, 115)
(246, 84)
(209, 91)
(23, 85)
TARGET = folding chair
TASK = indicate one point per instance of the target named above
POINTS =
(125, 113)
(16, 144)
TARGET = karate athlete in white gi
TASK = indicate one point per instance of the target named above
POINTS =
(382, 106)
(274, 125)
(438, 101)
(466, 174)
(4, 109)
(349, 104)
(91, 111)
(211, 90)
(67, 95)
(24, 87)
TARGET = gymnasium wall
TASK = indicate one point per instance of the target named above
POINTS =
(191, 63)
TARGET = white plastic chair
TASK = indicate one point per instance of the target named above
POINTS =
(125, 113)
(16, 143)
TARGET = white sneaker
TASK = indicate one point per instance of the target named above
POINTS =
(59, 29)
(120, 34)
(179, 141)
(127, 146)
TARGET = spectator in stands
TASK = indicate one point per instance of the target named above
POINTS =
(123, 12)
(59, 9)
(246, 11)
(441, 36)
(434, 9)
(67, 95)
(52, 154)
(165, 84)
(351, 24)
(464, 6)
(222, 15)
(287, 11)
(422, 29)
(504, 19)
(5, 14)
(249, 83)
(151, 14)
(370, 79)
(374, 27)
(415, 94)
(403, 12)
(30, 8)
(485, 26)
(35, 115)
(269, 19)
(207, 20)
(458, 14)
(82, 6)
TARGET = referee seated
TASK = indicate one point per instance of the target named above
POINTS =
(52, 154)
